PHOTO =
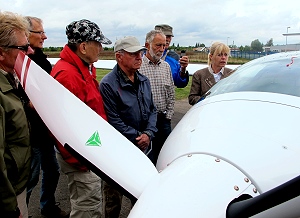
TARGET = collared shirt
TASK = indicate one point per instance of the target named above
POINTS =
(127, 80)
(162, 85)
(218, 75)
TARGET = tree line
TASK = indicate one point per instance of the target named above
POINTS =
(255, 46)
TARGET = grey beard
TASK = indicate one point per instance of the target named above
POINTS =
(154, 56)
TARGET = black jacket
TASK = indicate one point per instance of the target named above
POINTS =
(39, 133)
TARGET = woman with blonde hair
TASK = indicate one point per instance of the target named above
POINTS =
(205, 78)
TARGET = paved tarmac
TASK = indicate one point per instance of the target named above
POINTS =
(62, 194)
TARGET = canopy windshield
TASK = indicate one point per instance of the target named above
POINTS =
(277, 74)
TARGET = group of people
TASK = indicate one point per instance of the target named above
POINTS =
(137, 98)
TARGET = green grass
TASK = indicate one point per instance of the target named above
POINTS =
(101, 73)
(180, 93)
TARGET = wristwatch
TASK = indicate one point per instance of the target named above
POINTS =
(182, 74)
(148, 133)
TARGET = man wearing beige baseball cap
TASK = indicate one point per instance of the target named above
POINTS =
(178, 64)
(129, 107)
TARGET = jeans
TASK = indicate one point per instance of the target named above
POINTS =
(44, 158)
(164, 129)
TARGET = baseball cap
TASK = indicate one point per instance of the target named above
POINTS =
(165, 28)
(129, 43)
(85, 30)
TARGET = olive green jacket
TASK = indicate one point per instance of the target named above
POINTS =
(15, 150)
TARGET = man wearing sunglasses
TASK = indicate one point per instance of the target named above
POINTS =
(43, 153)
(15, 150)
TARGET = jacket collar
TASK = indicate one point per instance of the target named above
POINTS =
(212, 71)
(69, 56)
(124, 80)
(4, 83)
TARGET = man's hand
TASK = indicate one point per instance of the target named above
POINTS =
(143, 141)
(184, 62)
(30, 105)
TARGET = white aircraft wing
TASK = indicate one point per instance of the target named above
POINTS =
(74, 124)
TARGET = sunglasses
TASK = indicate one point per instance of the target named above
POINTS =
(22, 48)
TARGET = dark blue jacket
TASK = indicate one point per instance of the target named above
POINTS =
(130, 110)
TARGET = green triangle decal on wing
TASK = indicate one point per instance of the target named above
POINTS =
(94, 140)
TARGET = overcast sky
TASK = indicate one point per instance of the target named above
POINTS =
(237, 22)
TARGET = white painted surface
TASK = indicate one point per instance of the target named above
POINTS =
(192, 186)
(246, 127)
(253, 134)
(73, 122)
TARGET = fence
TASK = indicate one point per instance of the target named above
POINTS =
(202, 56)
(249, 55)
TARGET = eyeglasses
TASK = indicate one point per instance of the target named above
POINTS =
(23, 47)
(38, 32)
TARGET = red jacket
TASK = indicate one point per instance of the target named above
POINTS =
(74, 74)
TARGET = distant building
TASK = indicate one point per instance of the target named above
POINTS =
(266, 49)
(201, 49)
(235, 49)
(283, 48)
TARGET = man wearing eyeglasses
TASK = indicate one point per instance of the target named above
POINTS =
(43, 153)
(36, 38)
(130, 108)
(15, 150)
